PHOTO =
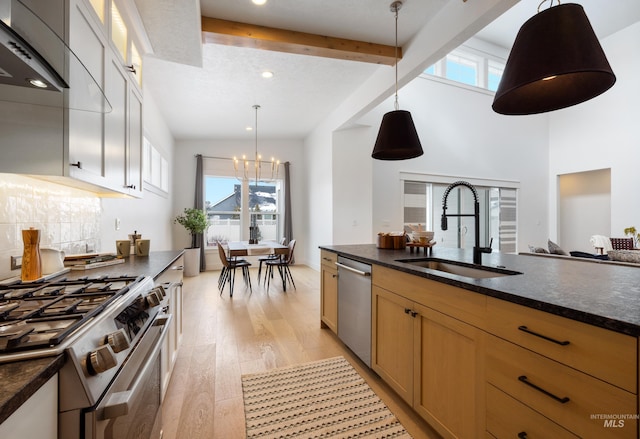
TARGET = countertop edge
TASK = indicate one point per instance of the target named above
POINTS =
(613, 324)
(31, 386)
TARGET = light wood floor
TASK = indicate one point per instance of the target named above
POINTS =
(251, 332)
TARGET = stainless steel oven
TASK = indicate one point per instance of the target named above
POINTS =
(111, 331)
(131, 406)
(109, 386)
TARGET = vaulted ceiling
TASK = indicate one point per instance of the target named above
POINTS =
(205, 75)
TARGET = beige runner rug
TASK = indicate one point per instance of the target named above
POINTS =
(322, 399)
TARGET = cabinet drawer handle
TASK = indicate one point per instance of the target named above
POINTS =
(524, 379)
(522, 435)
(77, 164)
(553, 340)
(407, 311)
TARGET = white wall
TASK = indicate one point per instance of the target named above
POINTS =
(151, 215)
(284, 150)
(352, 192)
(462, 137)
(318, 153)
(604, 133)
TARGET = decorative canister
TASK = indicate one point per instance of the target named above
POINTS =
(31, 262)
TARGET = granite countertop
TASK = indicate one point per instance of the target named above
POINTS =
(152, 265)
(599, 294)
(21, 379)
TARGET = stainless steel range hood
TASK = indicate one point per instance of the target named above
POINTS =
(21, 65)
(33, 56)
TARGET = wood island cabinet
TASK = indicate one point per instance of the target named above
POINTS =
(329, 291)
(477, 366)
(569, 374)
(430, 357)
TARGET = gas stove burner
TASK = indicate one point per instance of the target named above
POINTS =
(34, 315)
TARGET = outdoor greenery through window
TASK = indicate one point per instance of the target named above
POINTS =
(230, 205)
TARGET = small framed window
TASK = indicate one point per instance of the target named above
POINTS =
(462, 68)
(494, 74)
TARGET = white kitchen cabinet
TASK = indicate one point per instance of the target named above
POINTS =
(37, 417)
(85, 129)
(63, 141)
(171, 280)
(133, 178)
(105, 149)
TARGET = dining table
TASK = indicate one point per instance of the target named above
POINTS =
(243, 248)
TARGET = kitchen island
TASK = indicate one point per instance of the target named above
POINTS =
(20, 380)
(599, 294)
(542, 346)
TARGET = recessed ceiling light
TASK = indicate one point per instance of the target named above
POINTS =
(259, 2)
(267, 74)
(249, 128)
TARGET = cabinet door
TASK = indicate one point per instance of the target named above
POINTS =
(116, 91)
(37, 417)
(329, 299)
(392, 341)
(85, 127)
(134, 145)
(449, 374)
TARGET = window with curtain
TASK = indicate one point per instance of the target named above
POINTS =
(422, 202)
(231, 204)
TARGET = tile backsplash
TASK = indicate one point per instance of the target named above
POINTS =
(68, 218)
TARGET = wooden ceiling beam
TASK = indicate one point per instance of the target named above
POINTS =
(231, 33)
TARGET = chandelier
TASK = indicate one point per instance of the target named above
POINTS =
(243, 170)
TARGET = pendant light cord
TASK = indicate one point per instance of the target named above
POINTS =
(257, 162)
(396, 8)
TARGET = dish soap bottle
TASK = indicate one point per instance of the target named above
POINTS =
(31, 262)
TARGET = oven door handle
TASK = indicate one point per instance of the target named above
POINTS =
(118, 403)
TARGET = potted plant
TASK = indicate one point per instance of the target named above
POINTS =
(631, 231)
(195, 221)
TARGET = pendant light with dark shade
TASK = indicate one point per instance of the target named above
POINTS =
(556, 62)
(397, 137)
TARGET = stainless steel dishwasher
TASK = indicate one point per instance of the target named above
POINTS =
(354, 307)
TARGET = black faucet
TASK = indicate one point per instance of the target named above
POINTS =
(477, 250)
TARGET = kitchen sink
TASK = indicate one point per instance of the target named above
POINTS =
(459, 268)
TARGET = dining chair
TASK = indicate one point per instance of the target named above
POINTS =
(270, 257)
(283, 268)
(228, 273)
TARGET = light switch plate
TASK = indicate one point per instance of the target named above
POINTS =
(16, 262)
